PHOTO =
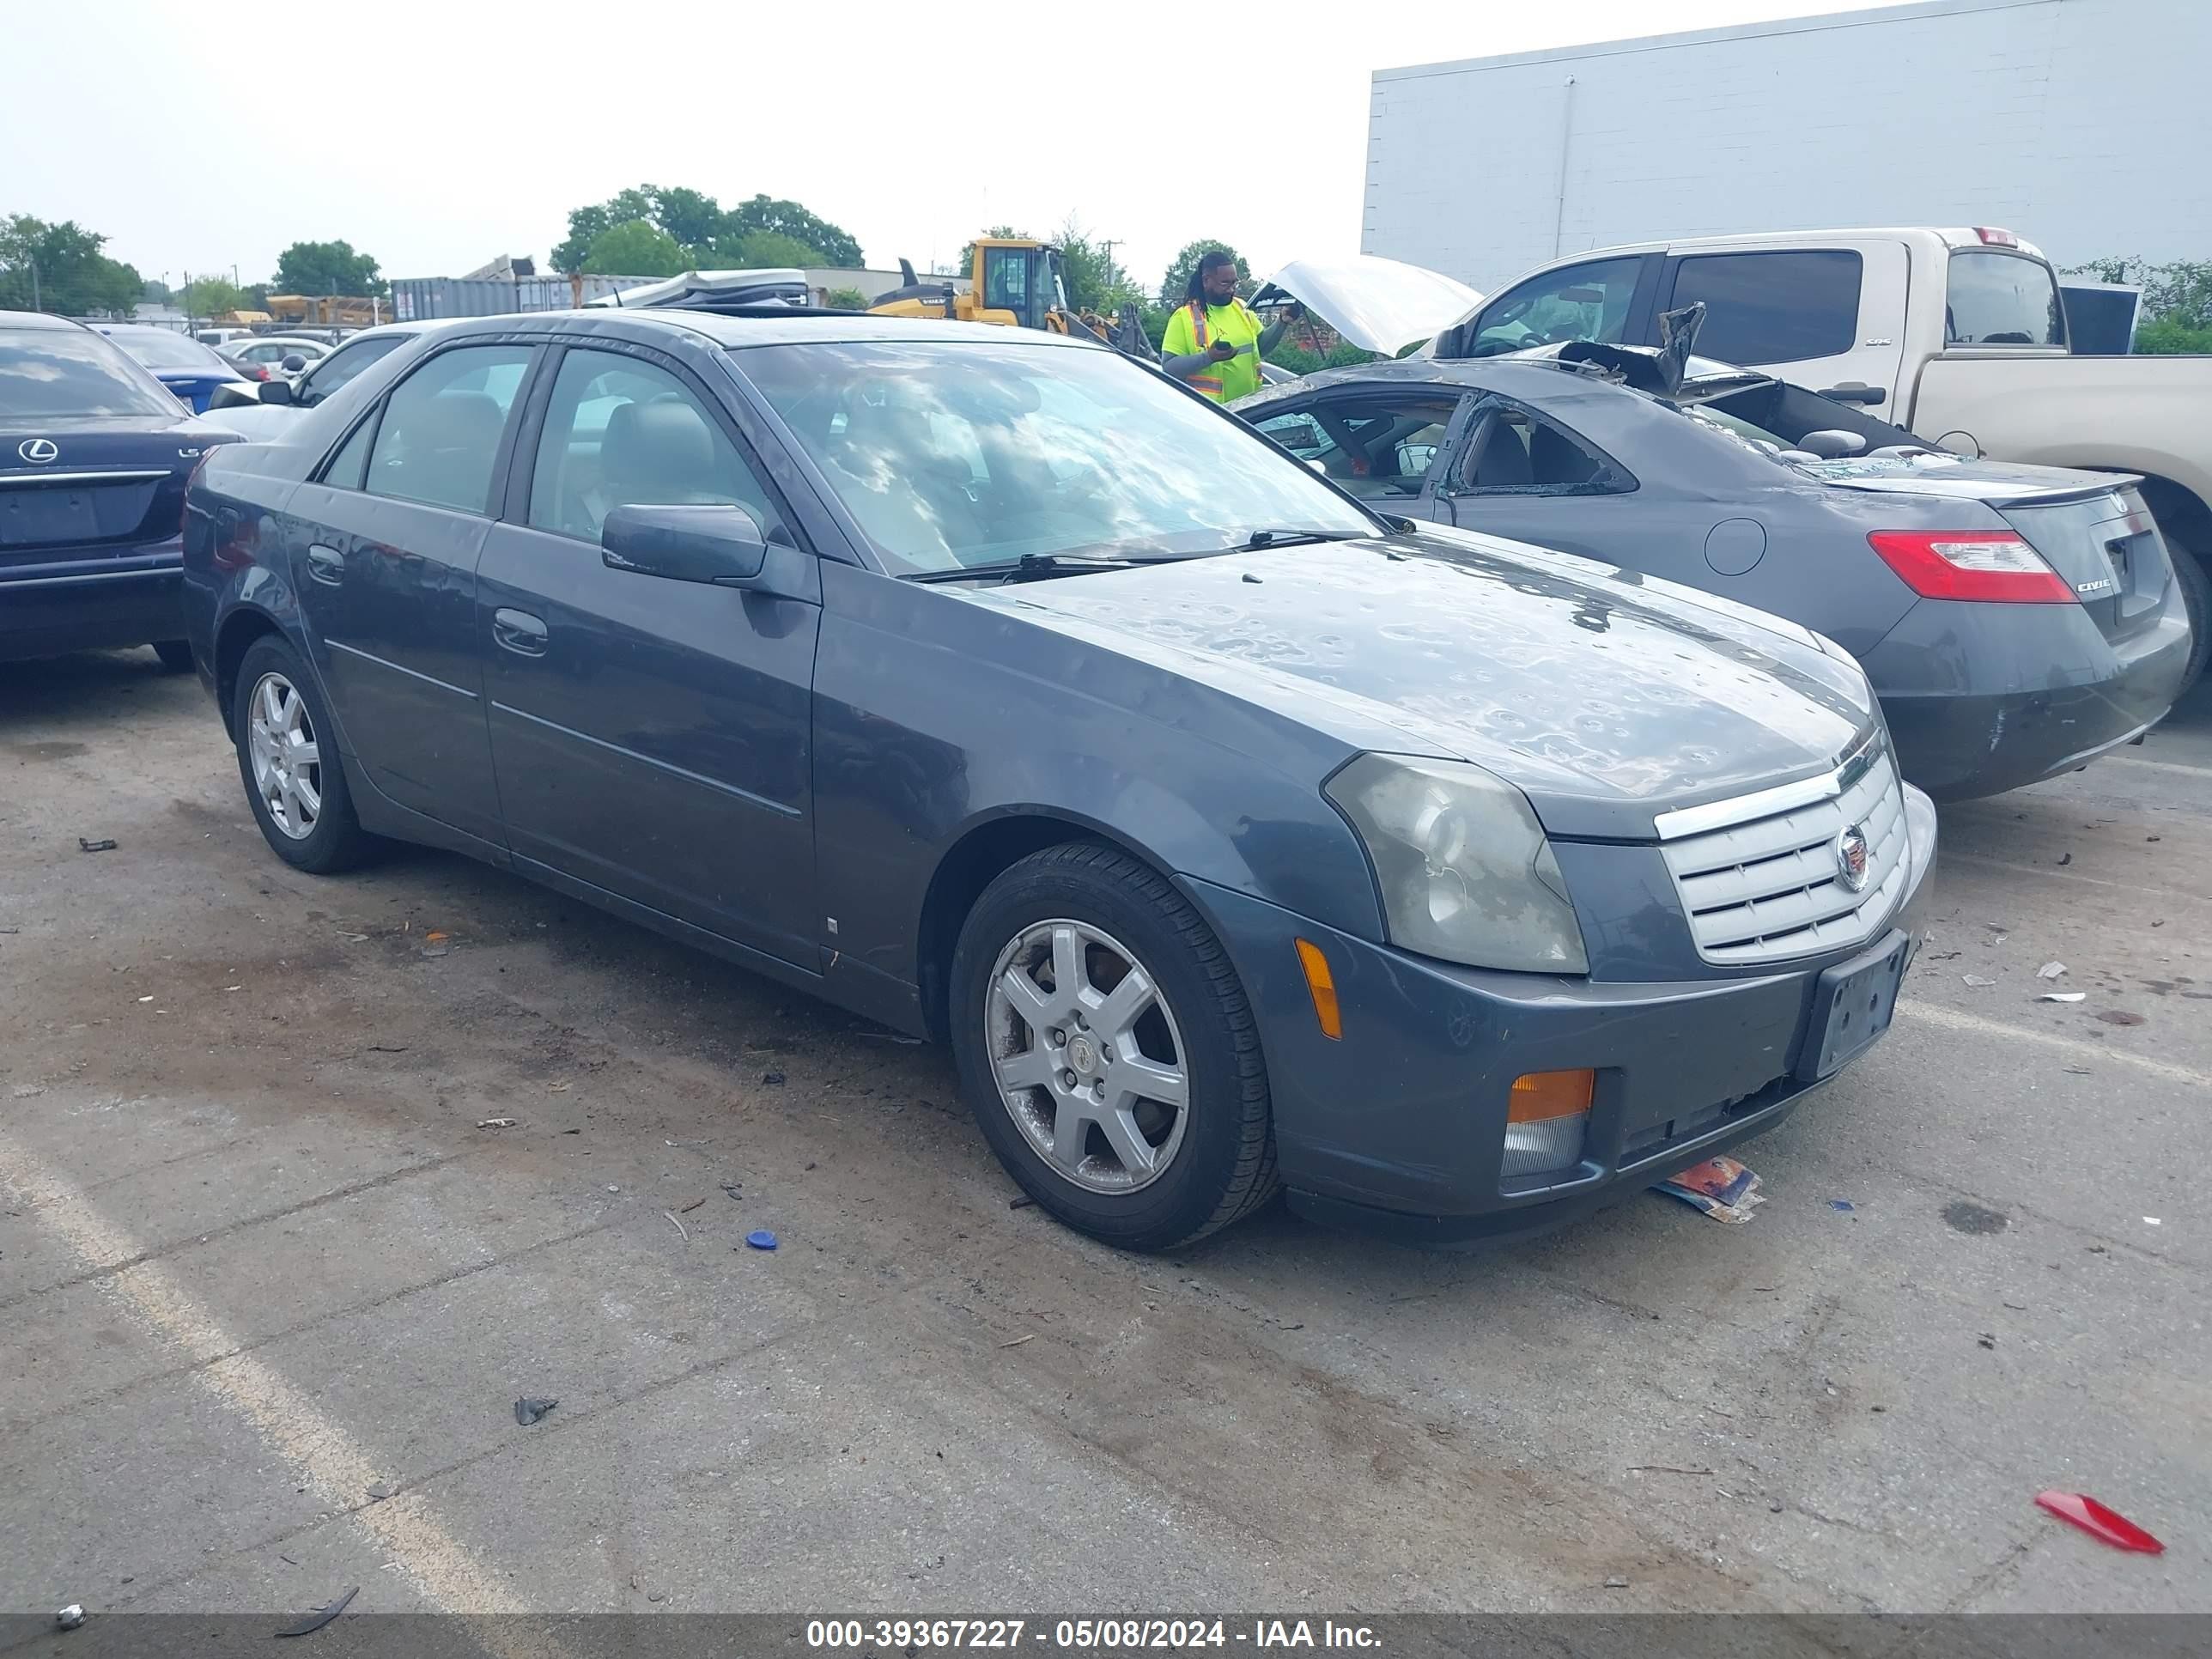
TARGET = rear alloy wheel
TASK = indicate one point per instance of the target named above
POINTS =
(1106, 1047)
(176, 655)
(291, 770)
(2195, 577)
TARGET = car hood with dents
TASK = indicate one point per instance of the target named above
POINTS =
(1604, 695)
(1378, 305)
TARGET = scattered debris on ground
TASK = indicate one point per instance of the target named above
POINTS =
(761, 1240)
(2099, 1522)
(322, 1616)
(1977, 980)
(530, 1408)
(2050, 970)
(495, 1123)
(1720, 1186)
(2063, 996)
(72, 1615)
(84, 846)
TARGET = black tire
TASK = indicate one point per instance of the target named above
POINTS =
(1225, 1167)
(335, 842)
(2189, 570)
(176, 656)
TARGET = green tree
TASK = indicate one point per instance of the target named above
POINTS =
(327, 268)
(1175, 285)
(588, 224)
(635, 249)
(835, 244)
(691, 216)
(760, 250)
(2177, 297)
(2165, 337)
(212, 296)
(156, 292)
(62, 269)
(850, 298)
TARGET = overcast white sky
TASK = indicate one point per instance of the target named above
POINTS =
(436, 137)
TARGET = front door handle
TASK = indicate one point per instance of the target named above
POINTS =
(520, 632)
(325, 565)
(1856, 393)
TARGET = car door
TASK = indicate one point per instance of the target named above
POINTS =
(1818, 316)
(1607, 300)
(1386, 445)
(651, 737)
(385, 551)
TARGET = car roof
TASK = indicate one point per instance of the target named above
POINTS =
(1532, 376)
(41, 319)
(766, 326)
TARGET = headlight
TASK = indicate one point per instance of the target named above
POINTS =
(1466, 873)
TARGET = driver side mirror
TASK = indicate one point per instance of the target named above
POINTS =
(277, 391)
(721, 545)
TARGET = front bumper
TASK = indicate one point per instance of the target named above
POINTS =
(1400, 1126)
(127, 597)
(1979, 704)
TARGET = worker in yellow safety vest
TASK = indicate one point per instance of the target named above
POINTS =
(1213, 342)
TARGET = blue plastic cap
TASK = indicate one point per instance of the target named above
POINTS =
(762, 1240)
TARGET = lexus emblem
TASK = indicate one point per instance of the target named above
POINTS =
(1851, 858)
(37, 451)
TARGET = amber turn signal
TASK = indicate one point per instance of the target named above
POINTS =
(1539, 1096)
(1322, 986)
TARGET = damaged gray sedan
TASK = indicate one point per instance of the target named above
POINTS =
(2016, 622)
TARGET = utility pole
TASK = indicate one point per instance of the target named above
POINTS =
(35, 306)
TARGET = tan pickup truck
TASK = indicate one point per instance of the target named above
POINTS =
(1959, 335)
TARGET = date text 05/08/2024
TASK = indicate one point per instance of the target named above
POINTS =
(1132, 1635)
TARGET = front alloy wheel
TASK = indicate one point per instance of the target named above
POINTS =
(1088, 1060)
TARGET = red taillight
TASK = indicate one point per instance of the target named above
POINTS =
(1993, 237)
(1971, 564)
(254, 371)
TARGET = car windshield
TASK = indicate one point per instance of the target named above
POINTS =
(157, 348)
(72, 371)
(982, 451)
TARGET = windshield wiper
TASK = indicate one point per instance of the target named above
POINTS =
(1031, 567)
(1271, 538)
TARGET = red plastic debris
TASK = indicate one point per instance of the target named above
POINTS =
(2099, 1522)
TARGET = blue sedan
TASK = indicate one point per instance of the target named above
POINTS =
(179, 363)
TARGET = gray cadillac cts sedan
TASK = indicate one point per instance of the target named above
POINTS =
(1235, 836)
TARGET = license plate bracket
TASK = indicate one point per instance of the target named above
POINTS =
(1853, 1004)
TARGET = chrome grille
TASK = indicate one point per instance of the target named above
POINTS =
(1760, 877)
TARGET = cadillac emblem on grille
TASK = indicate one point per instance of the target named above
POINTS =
(1851, 858)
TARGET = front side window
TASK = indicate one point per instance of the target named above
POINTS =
(54, 372)
(976, 452)
(621, 432)
(2001, 299)
(1371, 448)
(1782, 307)
(438, 437)
(1582, 302)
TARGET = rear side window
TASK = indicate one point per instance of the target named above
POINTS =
(620, 432)
(1782, 307)
(73, 371)
(438, 437)
(341, 365)
(1511, 451)
(2000, 300)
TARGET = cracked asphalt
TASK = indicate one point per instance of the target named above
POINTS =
(269, 1287)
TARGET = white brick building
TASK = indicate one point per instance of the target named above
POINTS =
(2086, 126)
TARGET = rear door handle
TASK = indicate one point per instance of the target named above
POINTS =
(325, 565)
(1856, 393)
(520, 632)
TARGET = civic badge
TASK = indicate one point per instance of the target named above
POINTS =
(37, 451)
(1851, 858)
